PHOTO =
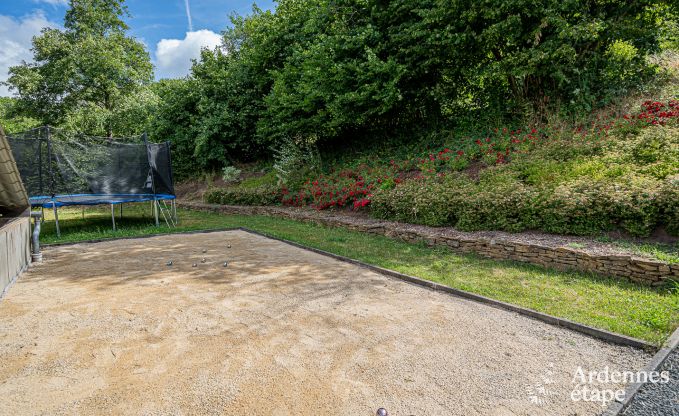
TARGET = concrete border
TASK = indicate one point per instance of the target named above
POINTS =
(600, 334)
(672, 343)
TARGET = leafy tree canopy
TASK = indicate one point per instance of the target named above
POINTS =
(89, 67)
(341, 69)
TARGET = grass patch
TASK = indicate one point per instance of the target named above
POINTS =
(663, 252)
(635, 310)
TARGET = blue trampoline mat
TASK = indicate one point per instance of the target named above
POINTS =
(93, 199)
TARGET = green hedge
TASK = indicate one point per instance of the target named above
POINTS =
(265, 195)
(581, 207)
(630, 183)
(670, 204)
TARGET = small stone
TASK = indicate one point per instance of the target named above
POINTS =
(195, 264)
(226, 263)
(204, 250)
(203, 260)
(228, 246)
(169, 263)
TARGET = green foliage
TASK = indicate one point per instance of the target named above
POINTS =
(131, 116)
(267, 179)
(10, 120)
(578, 207)
(230, 173)
(347, 70)
(230, 84)
(87, 70)
(629, 181)
(266, 195)
(174, 120)
(670, 204)
(296, 160)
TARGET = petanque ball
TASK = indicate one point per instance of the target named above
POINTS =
(382, 412)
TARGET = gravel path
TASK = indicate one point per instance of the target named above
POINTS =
(659, 399)
(109, 328)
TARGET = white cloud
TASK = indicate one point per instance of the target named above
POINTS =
(15, 41)
(173, 56)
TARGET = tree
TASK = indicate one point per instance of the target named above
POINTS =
(10, 121)
(90, 67)
(231, 82)
(175, 119)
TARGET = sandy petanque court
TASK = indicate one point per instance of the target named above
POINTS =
(110, 328)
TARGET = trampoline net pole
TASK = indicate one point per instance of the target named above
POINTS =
(113, 217)
(155, 211)
(56, 219)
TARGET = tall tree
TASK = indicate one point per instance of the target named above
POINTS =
(89, 67)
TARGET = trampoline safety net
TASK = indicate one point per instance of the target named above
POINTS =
(73, 169)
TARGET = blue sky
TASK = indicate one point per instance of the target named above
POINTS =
(162, 25)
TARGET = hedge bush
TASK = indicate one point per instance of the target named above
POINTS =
(581, 207)
(265, 195)
(629, 183)
(669, 201)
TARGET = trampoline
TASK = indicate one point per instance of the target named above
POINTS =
(60, 168)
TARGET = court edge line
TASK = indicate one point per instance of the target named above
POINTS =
(600, 334)
(610, 337)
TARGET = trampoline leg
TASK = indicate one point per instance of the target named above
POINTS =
(56, 220)
(42, 209)
(121, 212)
(113, 217)
(155, 211)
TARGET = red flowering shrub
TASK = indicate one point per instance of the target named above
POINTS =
(602, 176)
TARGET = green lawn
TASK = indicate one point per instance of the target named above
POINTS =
(622, 307)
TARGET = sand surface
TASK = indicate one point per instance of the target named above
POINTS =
(110, 328)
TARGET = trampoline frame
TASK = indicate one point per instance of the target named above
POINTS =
(116, 186)
(169, 213)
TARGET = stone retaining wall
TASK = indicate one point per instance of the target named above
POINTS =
(634, 268)
(15, 254)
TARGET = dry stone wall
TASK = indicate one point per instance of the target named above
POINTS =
(637, 269)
